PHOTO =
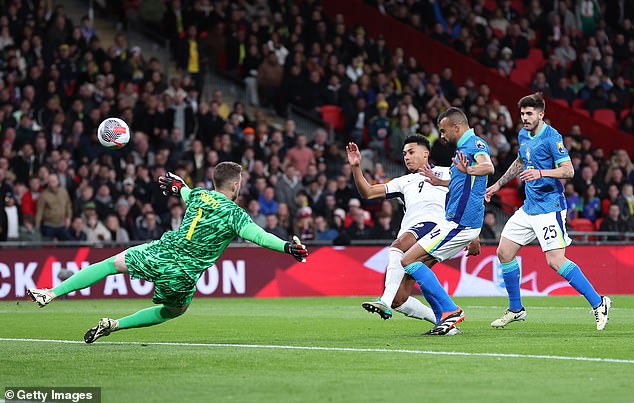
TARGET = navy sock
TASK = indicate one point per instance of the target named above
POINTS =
(511, 274)
(571, 272)
(429, 284)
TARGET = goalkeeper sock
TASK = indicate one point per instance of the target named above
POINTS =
(413, 308)
(86, 277)
(147, 317)
(428, 283)
(511, 275)
(571, 272)
(393, 276)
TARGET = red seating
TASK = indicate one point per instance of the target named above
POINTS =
(332, 114)
(510, 198)
(597, 223)
(624, 113)
(578, 103)
(561, 102)
(581, 111)
(582, 224)
(605, 116)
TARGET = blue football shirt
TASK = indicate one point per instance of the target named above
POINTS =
(545, 150)
(465, 200)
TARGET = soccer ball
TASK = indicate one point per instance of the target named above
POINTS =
(113, 133)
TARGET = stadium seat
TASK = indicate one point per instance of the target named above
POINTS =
(597, 223)
(332, 114)
(561, 102)
(582, 225)
(510, 199)
(578, 103)
(581, 111)
(624, 113)
(605, 116)
(523, 72)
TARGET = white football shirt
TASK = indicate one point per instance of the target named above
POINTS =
(422, 201)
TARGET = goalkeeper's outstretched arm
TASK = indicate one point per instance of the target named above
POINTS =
(254, 233)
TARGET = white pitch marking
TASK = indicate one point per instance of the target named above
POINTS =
(342, 349)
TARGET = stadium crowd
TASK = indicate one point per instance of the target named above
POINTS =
(587, 45)
(59, 82)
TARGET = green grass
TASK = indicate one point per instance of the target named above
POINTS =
(561, 326)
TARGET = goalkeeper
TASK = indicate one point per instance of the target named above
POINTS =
(175, 262)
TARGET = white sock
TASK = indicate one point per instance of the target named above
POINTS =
(393, 275)
(416, 309)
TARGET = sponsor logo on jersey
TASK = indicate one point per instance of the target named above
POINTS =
(480, 145)
(560, 147)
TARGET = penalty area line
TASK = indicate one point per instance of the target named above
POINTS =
(336, 349)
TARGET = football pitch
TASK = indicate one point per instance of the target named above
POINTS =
(322, 350)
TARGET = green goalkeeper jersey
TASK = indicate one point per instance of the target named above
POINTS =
(210, 223)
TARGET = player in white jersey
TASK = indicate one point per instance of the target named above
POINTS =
(424, 207)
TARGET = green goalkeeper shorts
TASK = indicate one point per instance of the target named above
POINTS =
(153, 262)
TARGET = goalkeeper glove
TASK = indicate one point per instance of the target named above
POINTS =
(296, 249)
(171, 184)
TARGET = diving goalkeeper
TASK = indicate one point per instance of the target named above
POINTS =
(175, 262)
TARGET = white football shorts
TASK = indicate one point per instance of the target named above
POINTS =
(549, 229)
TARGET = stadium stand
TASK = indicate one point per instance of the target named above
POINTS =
(60, 80)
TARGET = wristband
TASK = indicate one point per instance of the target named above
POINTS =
(540, 173)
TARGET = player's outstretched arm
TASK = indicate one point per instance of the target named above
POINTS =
(483, 167)
(254, 233)
(366, 190)
(516, 167)
(565, 170)
(174, 185)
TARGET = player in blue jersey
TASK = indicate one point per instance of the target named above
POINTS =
(464, 215)
(542, 162)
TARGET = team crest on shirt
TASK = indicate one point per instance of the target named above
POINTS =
(480, 145)
(560, 147)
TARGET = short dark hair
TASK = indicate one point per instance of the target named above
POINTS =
(456, 115)
(418, 139)
(533, 101)
(226, 172)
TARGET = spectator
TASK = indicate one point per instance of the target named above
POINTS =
(269, 79)
(506, 63)
(76, 230)
(358, 229)
(384, 228)
(95, 230)
(274, 228)
(287, 186)
(575, 205)
(304, 226)
(300, 156)
(175, 217)
(268, 204)
(54, 210)
(148, 228)
(117, 233)
(591, 204)
(488, 232)
(322, 231)
(10, 219)
(253, 211)
(28, 231)
(614, 223)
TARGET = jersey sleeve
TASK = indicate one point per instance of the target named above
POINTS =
(443, 173)
(479, 147)
(239, 220)
(254, 233)
(558, 150)
(394, 188)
